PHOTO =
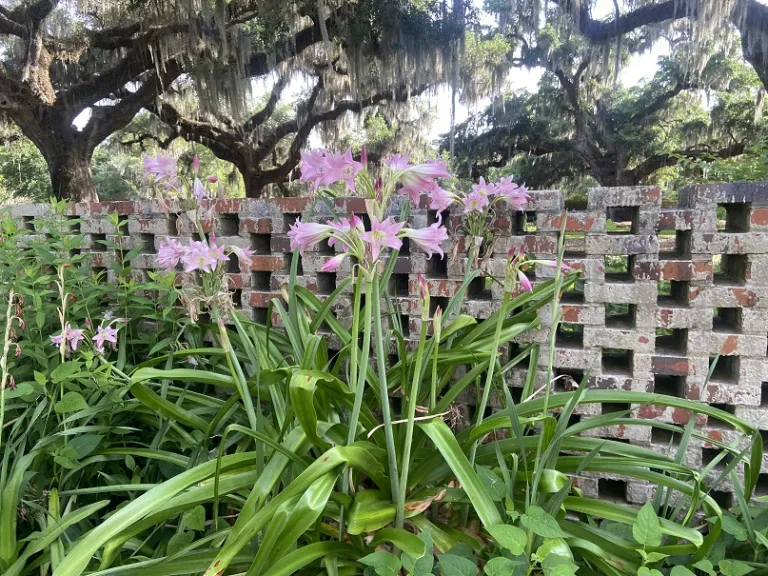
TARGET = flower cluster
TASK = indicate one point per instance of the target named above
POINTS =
(72, 337)
(199, 255)
(163, 173)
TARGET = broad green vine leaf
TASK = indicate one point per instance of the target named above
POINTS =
(500, 567)
(555, 546)
(194, 519)
(509, 537)
(651, 557)
(681, 571)
(179, 541)
(647, 528)
(70, 402)
(423, 565)
(734, 568)
(452, 565)
(705, 566)
(541, 523)
(384, 563)
(493, 484)
(733, 527)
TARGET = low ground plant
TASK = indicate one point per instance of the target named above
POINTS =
(210, 444)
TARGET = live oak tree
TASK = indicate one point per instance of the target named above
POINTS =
(581, 123)
(100, 64)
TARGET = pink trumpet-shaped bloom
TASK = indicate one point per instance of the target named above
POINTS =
(217, 251)
(382, 234)
(483, 189)
(160, 167)
(346, 226)
(306, 234)
(553, 264)
(428, 239)
(199, 192)
(524, 282)
(170, 253)
(514, 194)
(244, 257)
(342, 167)
(72, 335)
(333, 263)
(314, 166)
(198, 256)
(423, 286)
(475, 202)
(195, 163)
(364, 157)
(104, 334)
(417, 178)
(440, 199)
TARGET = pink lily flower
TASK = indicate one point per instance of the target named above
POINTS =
(440, 199)
(382, 234)
(314, 165)
(195, 163)
(484, 189)
(345, 226)
(244, 257)
(514, 194)
(104, 334)
(475, 202)
(418, 178)
(306, 234)
(524, 282)
(342, 167)
(428, 239)
(170, 253)
(199, 192)
(333, 263)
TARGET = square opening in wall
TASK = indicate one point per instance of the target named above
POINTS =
(724, 499)
(612, 407)
(260, 316)
(570, 335)
(73, 223)
(620, 316)
(436, 301)
(608, 489)
(673, 293)
(233, 265)
(289, 219)
(727, 320)
(713, 422)
(228, 225)
(435, 216)
(28, 223)
(669, 385)
(568, 379)
(525, 223)
(405, 325)
(172, 222)
(398, 285)
(326, 282)
(672, 341)
(675, 249)
(709, 455)
(260, 281)
(622, 219)
(730, 268)
(405, 248)
(575, 295)
(733, 217)
(288, 261)
(261, 243)
(325, 249)
(480, 288)
(617, 361)
(764, 396)
(237, 297)
(725, 370)
(147, 243)
(575, 245)
(438, 267)
(618, 268)
(664, 437)
(97, 242)
(761, 488)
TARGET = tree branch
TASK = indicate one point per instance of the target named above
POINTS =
(658, 161)
(265, 113)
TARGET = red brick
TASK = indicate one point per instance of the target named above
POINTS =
(577, 222)
(261, 299)
(759, 217)
(291, 205)
(671, 365)
(256, 225)
(268, 263)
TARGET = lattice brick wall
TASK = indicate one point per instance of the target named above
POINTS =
(660, 298)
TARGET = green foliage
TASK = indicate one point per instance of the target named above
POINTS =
(188, 443)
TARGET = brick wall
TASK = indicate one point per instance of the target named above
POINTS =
(659, 299)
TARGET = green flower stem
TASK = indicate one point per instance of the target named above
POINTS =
(437, 330)
(4, 360)
(413, 394)
(381, 362)
(363, 365)
(489, 374)
(353, 378)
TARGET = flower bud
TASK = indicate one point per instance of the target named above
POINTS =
(437, 322)
(364, 157)
(423, 289)
(195, 163)
(11, 383)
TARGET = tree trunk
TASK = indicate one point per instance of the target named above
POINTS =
(71, 176)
